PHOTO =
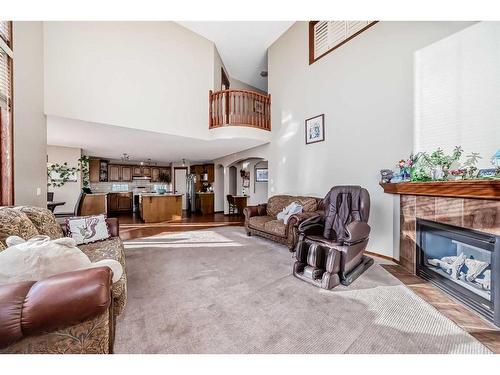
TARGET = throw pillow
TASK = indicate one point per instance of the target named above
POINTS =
(41, 257)
(15, 223)
(87, 229)
(44, 221)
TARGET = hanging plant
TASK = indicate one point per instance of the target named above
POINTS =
(59, 174)
(83, 164)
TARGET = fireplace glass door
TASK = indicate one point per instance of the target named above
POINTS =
(458, 259)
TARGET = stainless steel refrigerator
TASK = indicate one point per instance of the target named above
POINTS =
(191, 193)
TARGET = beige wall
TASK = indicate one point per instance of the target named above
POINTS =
(234, 83)
(70, 191)
(365, 90)
(30, 130)
(237, 84)
(146, 75)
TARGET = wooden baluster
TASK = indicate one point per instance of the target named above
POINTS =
(210, 109)
(243, 101)
(229, 109)
(239, 108)
(253, 119)
(269, 112)
(261, 113)
(218, 109)
(214, 110)
(214, 101)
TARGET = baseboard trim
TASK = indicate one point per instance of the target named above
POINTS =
(382, 256)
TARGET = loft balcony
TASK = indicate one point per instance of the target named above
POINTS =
(243, 108)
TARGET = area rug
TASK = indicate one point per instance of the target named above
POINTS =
(219, 291)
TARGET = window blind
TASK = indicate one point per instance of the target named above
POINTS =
(6, 129)
(327, 35)
(5, 84)
(5, 31)
(5, 64)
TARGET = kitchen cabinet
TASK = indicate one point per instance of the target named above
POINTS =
(211, 173)
(137, 171)
(146, 171)
(119, 202)
(114, 172)
(155, 174)
(205, 203)
(94, 166)
(126, 173)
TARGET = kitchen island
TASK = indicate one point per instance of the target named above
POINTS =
(155, 208)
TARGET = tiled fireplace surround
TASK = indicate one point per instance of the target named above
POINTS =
(479, 214)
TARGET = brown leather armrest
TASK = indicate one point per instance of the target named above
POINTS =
(29, 308)
(357, 231)
(250, 211)
(113, 227)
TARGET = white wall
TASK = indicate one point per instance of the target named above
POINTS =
(237, 84)
(70, 191)
(365, 90)
(457, 92)
(259, 189)
(146, 75)
(30, 130)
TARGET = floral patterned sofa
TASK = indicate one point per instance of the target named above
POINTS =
(88, 336)
(262, 220)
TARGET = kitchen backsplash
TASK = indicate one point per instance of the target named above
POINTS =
(106, 187)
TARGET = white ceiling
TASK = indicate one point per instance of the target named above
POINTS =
(242, 45)
(111, 142)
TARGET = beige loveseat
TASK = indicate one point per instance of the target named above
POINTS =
(262, 219)
(92, 332)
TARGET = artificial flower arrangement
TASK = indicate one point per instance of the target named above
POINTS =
(438, 166)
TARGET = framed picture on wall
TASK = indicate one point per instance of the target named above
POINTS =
(315, 129)
(261, 175)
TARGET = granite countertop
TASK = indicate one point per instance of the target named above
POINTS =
(160, 195)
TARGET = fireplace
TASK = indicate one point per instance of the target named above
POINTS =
(463, 262)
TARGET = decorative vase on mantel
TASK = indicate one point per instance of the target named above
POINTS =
(437, 173)
(405, 174)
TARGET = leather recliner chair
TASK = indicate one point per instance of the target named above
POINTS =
(331, 245)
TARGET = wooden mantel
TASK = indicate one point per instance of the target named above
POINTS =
(483, 189)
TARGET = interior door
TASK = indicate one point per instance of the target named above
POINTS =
(180, 175)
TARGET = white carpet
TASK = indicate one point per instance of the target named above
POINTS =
(219, 291)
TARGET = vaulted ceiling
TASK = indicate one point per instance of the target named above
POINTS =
(242, 45)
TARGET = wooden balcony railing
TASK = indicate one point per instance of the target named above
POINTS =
(239, 108)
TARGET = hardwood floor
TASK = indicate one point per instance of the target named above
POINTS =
(471, 322)
(131, 225)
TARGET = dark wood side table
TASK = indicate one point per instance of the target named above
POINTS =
(241, 202)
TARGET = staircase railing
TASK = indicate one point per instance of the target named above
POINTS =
(239, 108)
